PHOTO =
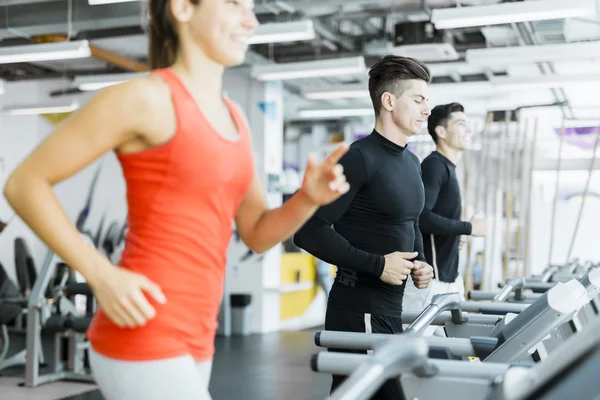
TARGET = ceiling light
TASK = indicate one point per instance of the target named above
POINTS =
(310, 69)
(506, 13)
(544, 81)
(323, 113)
(96, 82)
(531, 54)
(283, 32)
(338, 92)
(360, 91)
(36, 109)
(45, 52)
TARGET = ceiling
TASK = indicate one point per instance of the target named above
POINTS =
(344, 28)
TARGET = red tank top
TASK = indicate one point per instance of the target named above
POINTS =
(182, 198)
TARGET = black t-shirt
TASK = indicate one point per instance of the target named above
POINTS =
(440, 220)
(378, 216)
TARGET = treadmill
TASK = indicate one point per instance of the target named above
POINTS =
(569, 372)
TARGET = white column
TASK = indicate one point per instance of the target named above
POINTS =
(259, 275)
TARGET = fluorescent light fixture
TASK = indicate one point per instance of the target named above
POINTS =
(360, 91)
(283, 32)
(100, 2)
(544, 81)
(532, 54)
(506, 13)
(45, 52)
(36, 109)
(95, 82)
(460, 68)
(310, 69)
(338, 92)
(324, 113)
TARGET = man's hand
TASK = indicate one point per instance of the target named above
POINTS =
(463, 241)
(478, 226)
(422, 274)
(397, 267)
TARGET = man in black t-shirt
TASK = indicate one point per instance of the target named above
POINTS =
(372, 232)
(440, 221)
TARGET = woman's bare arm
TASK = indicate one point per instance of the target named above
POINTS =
(113, 118)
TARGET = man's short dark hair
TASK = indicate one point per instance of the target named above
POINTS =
(389, 75)
(440, 116)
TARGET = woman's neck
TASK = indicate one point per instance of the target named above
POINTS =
(203, 75)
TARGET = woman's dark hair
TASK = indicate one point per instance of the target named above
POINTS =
(163, 41)
(389, 75)
(440, 116)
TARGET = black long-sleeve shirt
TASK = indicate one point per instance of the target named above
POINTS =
(378, 216)
(440, 220)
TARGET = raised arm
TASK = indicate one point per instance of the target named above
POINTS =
(434, 174)
(111, 120)
(319, 238)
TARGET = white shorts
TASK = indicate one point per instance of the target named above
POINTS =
(415, 300)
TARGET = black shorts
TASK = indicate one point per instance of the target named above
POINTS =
(348, 321)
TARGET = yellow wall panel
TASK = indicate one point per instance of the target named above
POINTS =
(298, 277)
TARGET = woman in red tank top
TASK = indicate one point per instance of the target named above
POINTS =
(187, 162)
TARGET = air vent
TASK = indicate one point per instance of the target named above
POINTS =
(422, 41)
(428, 52)
(550, 31)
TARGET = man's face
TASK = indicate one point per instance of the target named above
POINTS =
(457, 133)
(410, 110)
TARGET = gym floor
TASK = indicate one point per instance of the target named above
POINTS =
(272, 366)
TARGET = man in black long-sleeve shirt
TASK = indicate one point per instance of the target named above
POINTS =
(372, 232)
(440, 220)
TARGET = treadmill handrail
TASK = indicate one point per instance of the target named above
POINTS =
(439, 303)
(445, 317)
(511, 284)
(392, 358)
(347, 363)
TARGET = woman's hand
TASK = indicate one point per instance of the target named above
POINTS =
(120, 294)
(326, 182)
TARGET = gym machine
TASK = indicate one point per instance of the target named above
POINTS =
(591, 281)
(588, 314)
(567, 373)
(59, 317)
(557, 273)
(470, 324)
(446, 310)
(11, 309)
(510, 340)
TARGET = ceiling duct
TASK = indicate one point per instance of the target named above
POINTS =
(422, 41)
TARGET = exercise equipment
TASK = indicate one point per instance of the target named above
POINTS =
(51, 311)
(439, 303)
(10, 310)
(509, 341)
(58, 317)
(569, 372)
